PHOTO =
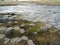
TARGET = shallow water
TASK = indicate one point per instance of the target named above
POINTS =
(46, 13)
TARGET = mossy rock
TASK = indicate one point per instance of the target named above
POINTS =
(1, 42)
(13, 33)
(45, 37)
(16, 33)
(23, 42)
(36, 28)
(9, 43)
(53, 30)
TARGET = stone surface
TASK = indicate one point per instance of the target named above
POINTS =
(18, 39)
(2, 36)
(36, 27)
(2, 29)
(13, 40)
(23, 42)
(24, 38)
(22, 31)
(16, 27)
(32, 24)
(8, 29)
(30, 42)
(6, 40)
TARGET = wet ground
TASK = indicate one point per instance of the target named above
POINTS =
(46, 13)
(30, 24)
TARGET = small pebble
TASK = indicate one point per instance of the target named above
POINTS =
(16, 40)
(24, 38)
(11, 18)
(22, 25)
(48, 25)
(32, 24)
(13, 40)
(22, 31)
(2, 36)
(16, 22)
(44, 29)
(3, 28)
(1, 20)
(5, 16)
(30, 42)
(9, 22)
(6, 40)
(17, 28)
(35, 32)
(8, 29)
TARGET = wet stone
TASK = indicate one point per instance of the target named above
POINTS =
(23, 42)
(24, 38)
(35, 32)
(12, 14)
(2, 36)
(16, 22)
(32, 24)
(22, 25)
(22, 31)
(48, 25)
(11, 18)
(17, 28)
(9, 43)
(2, 29)
(43, 29)
(8, 29)
(30, 42)
(9, 33)
(15, 40)
(6, 40)
(9, 22)
(18, 39)
(1, 21)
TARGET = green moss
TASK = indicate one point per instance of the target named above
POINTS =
(9, 43)
(16, 33)
(36, 28)
(13, 34)
(1, 42)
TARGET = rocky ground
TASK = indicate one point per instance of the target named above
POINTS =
(16, 31)
(35, 12)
